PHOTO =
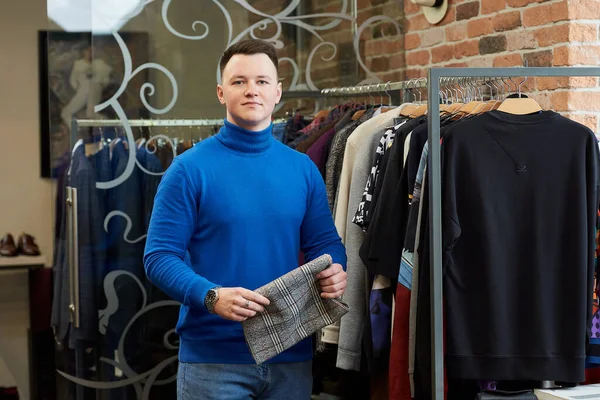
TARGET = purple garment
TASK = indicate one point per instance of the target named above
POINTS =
(596, 325)
(488, 385)
(380, 311)
(318, 151)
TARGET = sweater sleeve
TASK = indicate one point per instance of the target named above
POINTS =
(172, 225)
(318, 235)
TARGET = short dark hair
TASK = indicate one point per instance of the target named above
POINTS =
(249, 47)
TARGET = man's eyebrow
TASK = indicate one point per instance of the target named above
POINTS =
(245, 77)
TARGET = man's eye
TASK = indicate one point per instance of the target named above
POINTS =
(263, 82)
(237, 82)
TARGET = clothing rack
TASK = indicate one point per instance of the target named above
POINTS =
(435, 194)
(438, 78)
(416, 83)
(374, 88)
(77, 123)
(72, 211)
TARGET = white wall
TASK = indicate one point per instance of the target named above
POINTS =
(25, 198)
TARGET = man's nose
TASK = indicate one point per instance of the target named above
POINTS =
(252, 89)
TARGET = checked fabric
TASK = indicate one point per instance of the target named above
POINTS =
(296, 311)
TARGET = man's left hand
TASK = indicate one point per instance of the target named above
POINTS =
(332, 281)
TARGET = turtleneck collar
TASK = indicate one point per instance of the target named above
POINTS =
(246, 141)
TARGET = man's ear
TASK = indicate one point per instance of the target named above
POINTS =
(220, 94)
(279, 92)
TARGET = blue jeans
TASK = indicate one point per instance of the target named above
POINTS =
(291, 381)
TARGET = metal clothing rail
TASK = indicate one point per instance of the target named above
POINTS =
(77, 123)
(374, 88)
(416, 83)
(435, 193)
(97, 123)
(348, 91)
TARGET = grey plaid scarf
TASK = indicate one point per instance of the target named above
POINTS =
(297, 310)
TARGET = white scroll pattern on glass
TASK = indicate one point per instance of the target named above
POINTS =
(203, 29)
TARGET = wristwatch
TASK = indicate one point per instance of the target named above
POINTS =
(211, 299)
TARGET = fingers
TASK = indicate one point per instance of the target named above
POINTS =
(243, 312)
(237, 317)
(335, 279)
(239, 304)
(332, 281)
(333, 269)
(337, 289)
(249, 305)
(238, 313)
(253, 297)
(334, 295)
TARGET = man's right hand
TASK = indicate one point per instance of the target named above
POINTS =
(239, 304)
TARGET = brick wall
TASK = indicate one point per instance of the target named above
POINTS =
(382, 56)
(474, 33)
(505, 33)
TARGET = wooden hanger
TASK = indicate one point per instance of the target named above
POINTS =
(420, 110)
(454, 107)
(492, 103)
(473, 106)
(322, 113)
(408, 109)
(469, 108)
(358, 114)
(520, 105)
(385, 109)
(93, 148)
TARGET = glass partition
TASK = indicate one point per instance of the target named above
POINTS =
(111, 67)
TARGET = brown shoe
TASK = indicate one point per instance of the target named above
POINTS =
(27, 245)
(7, 246)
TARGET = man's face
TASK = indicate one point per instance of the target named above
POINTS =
(250, 90)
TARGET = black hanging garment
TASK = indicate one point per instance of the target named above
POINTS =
(520, 198)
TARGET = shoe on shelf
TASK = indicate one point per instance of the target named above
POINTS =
(7, 246)
(27, 245)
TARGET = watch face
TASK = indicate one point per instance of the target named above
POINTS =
(211, 298)
(212, 295)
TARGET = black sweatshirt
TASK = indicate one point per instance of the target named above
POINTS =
(520, 197)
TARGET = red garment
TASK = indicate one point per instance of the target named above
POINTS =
(40, 298)
(592, 376)
(399, 383)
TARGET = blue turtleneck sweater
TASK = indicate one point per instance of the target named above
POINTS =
(242, 206)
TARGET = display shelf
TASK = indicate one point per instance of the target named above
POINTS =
(22, 262)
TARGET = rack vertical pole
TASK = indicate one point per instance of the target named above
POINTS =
(435, 236)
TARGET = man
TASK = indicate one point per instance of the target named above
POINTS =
(231, 215)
